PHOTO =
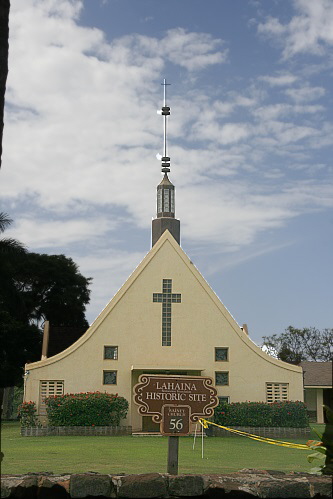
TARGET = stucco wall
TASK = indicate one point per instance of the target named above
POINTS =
(132, 321)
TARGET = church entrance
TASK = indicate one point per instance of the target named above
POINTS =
(148, 425)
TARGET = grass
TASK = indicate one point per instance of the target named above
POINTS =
(143, 454)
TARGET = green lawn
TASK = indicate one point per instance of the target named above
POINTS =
(142, 454)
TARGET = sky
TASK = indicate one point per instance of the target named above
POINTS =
(250, 139)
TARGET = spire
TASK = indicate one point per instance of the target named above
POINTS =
(165, 190)
(165, 112)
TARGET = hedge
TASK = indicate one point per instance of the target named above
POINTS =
(282, 414)
(86, 409)
(27, 413)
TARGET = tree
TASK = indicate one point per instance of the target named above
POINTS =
(9, 246)
(20, 343)
(11, 251)
(53, 289)
(296, 345)
(4, 35)
(34, 288)
(19, 340)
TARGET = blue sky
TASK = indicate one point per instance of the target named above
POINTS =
(250, 139)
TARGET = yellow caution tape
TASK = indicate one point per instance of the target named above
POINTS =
(204, 423)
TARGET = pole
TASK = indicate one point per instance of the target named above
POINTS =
(165, 120)
(202, 442)
(195, 435)
(173, 445)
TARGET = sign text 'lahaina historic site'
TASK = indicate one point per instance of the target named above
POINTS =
(175, 401)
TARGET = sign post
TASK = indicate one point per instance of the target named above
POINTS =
(173, 445)
(175, 402)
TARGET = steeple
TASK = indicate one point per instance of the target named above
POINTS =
(165, 190)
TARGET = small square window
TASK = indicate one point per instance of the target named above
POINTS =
(221, 354)
(111, 353)
(221, 378)
(109, 377)
(224, 400)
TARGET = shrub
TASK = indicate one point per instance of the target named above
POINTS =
(282, 414)
(323, 448)
(86, 409)
(28, 414)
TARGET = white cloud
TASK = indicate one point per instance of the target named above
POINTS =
(287, 133)
(230, 133)
(232, 215)
(193, 50)
(272, 26)
(233, 132)
(209, 120)
(39, 233)
(309, 31)
(82, 110)
(279, 80)
(305, 94)
(324, 139)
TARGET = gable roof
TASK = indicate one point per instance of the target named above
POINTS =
(167, 239)
(317, 373)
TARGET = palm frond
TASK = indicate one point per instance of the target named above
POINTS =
(11, 246)
(5, 221)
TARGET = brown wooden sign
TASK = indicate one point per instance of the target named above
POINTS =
(171, 400)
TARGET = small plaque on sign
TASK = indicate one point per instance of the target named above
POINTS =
(175, 420)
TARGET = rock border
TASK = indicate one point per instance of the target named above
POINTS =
(247, 483)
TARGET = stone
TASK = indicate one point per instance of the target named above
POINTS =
(19, 486)
(253, 471)
(297, 488)
(85, 484)
(233, 485)
(145, 486)
(53, 487)
(186, 485)
(320, 486)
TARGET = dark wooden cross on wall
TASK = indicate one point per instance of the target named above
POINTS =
(166, 298)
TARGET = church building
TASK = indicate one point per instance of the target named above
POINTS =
(167, 320)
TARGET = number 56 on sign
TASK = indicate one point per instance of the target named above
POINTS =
(176, 420)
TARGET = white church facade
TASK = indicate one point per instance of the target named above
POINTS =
(165, 319)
